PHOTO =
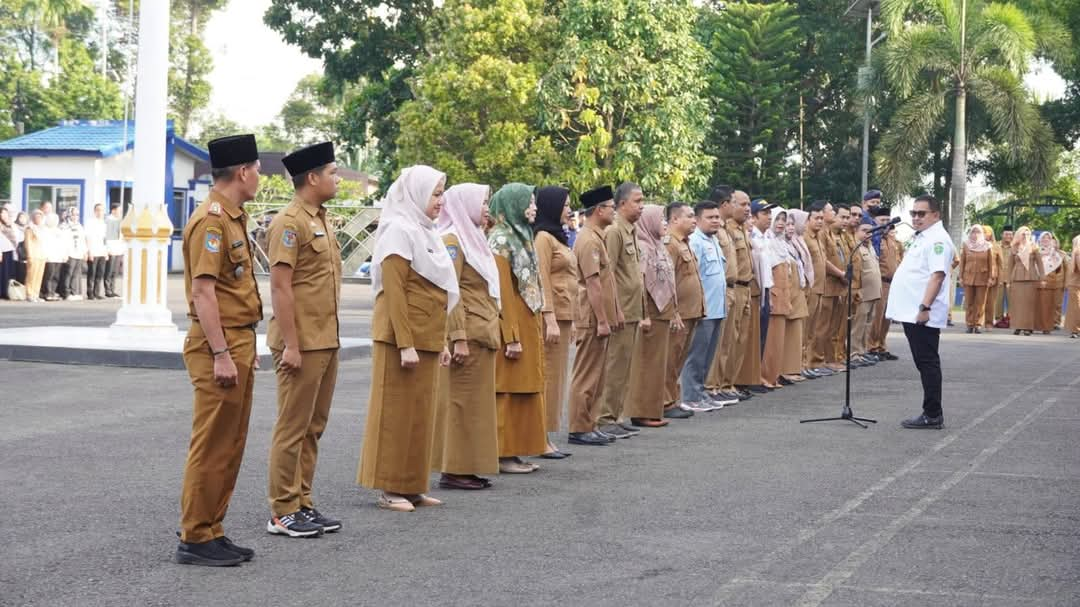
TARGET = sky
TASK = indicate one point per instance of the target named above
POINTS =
(255, 71)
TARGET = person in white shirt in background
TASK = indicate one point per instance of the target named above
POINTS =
(97, 252)
(114, 243)
(78, 255)
(919, 298)
(55, 256)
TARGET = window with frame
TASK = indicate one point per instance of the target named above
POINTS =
(62, 197)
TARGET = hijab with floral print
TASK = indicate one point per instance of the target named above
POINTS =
(512, 238)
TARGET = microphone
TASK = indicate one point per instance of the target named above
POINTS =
(885, 226)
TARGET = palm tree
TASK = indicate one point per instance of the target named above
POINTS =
(939, 49)
(47, 16)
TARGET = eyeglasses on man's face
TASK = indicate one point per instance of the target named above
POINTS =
(919, 214)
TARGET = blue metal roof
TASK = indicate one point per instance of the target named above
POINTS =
(102, 138)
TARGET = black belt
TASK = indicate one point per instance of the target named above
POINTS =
(740, 283)
(886, 280)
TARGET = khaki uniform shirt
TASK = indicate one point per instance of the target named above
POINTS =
(891, 251)
(410, 311)
(476, 316)
(301, 238)
(620, 238)
(817, 258)
(216, 245)
(832, 245)
(1006, 263)
(688, 289)
(727, 245)
(558, 276)
(870, 272)
(744, 266)
(592, 260)
(977, 269)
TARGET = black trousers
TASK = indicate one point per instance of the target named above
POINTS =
(924, 342)
(112, 270)
(50, 279)
(76, 276)
(95, 284)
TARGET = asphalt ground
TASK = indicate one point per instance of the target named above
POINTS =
(743, 506)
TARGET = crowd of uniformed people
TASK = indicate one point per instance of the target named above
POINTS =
(480, 292)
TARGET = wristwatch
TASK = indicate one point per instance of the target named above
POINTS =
(924, 308)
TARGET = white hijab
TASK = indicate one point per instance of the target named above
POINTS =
(462, 208)
(405, 230)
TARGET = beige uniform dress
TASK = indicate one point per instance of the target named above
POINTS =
(410, 312)
(870, 300)
(1072, 307)
(300, 237)
(1023, 296)
(466, 424)
(620, 238)
(1049, 294)
(645, 399)
(691, 306)
(993, 292)
(558, 278)
(216, 246)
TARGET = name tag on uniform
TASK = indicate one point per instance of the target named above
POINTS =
(236, 244)
(239, 271)
(320, 234)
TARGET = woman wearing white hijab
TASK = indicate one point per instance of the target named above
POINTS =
(415, 286)
(466, 422)
(1072, 308)
(1027, 271)
(978, 273)
(778, 261)
(791, 367)
(1051, 289)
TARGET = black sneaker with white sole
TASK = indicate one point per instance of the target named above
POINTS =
(329, 525)
(207, 554)
(293, 525)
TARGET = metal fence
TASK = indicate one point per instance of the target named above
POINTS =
(354, 225)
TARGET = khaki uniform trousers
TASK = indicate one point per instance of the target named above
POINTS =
(862, 325)
(620, 358)
(879, 325)
(219, 426)
(993, 302)
(830, 318)
(813, 301)
(734, 337)
(975, 304)
(35, 270)
(303, 407)
(678, 350)
(588, 380)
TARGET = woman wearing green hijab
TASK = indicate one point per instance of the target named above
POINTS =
(519, 372)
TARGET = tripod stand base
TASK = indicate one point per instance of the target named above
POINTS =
(858, 421)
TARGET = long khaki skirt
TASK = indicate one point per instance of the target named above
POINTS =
(521, 423)
(645, 398)
(556, 368)
(1022, 302)
(1047, 304)
(466, 424)
(396, 453)
(793, 347)
(1072, 311)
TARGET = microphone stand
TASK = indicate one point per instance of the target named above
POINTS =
(846, 413)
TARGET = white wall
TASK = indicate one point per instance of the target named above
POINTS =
(53, 167)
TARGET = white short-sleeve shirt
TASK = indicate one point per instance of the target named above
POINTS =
(928, 252)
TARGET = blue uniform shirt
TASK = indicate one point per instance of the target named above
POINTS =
(712, 267)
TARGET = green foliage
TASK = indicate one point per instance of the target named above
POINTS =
(474, 111)
(81, 92)
(359, 46)
(190, 61)
(754, 95)
(625, 95)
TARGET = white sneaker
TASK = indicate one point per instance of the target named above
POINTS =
(74, 297)
(701, 407)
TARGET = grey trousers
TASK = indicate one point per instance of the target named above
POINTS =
(702, 350)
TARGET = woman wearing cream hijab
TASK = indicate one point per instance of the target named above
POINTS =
(414, 283)
(1052, 287)
(1027, 271)
(978, 273)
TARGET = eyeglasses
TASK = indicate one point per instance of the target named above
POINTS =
(919, 214)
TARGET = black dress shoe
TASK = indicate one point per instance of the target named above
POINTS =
(759, 389)
(207, 554)
(587, 438)
(889, 356)
(247, 553)
(922, 422)
(556, 454)
(784, 381)
(677, 413)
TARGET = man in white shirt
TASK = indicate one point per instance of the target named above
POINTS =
(99, 254)
(919, 299)
(114, 243)
(78, 255)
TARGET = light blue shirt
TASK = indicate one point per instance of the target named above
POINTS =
(712, 267)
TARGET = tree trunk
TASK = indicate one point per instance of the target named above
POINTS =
(958, 191)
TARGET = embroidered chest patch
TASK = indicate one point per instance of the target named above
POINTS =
(288, 238)
(213, 240)
(452, 250)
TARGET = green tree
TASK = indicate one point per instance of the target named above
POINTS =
(949, 50)
(81, 92)
(375, 45)
(754, 95)
(474, 111)
(191, 64)
(625, 95)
